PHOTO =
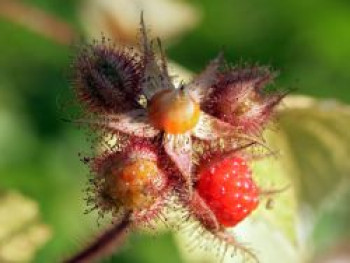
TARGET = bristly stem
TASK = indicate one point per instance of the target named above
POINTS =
(105, 244)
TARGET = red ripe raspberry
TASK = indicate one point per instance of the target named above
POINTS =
(228, 189)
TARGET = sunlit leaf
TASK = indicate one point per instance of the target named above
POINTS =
(21, 232)
(314, 144)
(317, 147)
(280, 210)
(269, 245)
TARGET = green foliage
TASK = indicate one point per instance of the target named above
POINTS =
(148, 249)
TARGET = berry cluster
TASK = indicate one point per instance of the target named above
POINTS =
(228, 189)
(188, 145)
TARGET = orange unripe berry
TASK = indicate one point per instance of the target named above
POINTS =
(134, 184)
(173, 111)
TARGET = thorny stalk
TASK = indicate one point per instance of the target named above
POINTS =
(105, 244)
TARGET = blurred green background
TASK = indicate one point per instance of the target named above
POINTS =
(307, 41)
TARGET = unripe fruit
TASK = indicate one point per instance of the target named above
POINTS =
(228, 189)
(134, 184)
(129, 179)
(173, 111)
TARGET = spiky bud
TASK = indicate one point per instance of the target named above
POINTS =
(240, 99)
(106, 79)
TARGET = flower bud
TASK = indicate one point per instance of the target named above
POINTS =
(239, 98)
(106, 79)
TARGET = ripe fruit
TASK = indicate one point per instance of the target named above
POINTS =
(173, 111)
(228, 189)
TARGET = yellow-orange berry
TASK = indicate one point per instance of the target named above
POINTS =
(173, 111)
(134, 184)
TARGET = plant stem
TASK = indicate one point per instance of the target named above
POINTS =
(105, 244)
(37, 20)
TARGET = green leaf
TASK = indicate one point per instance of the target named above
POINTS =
(147, 249)
(268, 243)
(332, 225)
(317, 147)
(314, 141)
(279, 210)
